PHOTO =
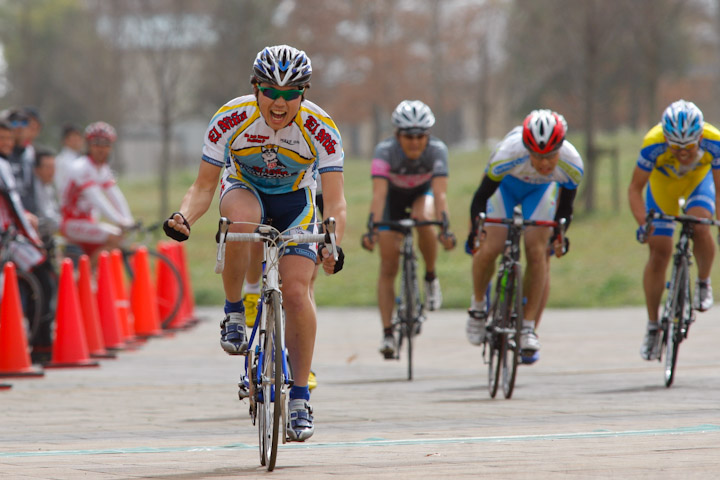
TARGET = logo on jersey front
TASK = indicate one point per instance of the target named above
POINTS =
(273, 168)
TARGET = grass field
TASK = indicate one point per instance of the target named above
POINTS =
(603, 268)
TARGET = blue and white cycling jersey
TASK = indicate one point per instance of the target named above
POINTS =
(239, 139)
(512, 158)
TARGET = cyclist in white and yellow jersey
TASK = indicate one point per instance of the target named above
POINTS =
(269, 147)
(679, 159)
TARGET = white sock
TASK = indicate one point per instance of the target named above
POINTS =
(252, 287)
(478, 306)
(529, 324)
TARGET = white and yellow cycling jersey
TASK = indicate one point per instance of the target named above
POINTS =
(239, 139)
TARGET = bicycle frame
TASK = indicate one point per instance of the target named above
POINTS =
(270, 374)
(502, 340)
(677, 314)
(410, 310)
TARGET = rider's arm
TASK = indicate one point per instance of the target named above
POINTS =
(118, 201)
(565, 205)
(637, 185)
(716, 179)
(379, 196)
(482, 195)
(201, 193)
(334, 204)
(97, 197)
(439, 189)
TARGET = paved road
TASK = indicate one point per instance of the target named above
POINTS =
(590, 408)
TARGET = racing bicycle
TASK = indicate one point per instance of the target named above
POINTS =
(409, 313)
(678, 313)
(501, 345)
(267, 376)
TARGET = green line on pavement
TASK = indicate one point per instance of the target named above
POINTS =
(700, 429)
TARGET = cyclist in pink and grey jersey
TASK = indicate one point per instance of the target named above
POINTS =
(409, 173)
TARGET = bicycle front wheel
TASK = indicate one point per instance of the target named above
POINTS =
(514, 308)
(412, 308)
(494, 337)
(271, 410)
(678, 309)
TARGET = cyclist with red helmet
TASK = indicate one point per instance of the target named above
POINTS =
(90, 191)
(536, 168)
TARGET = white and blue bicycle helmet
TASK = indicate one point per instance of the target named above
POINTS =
(682, 123)
(283, 65)
(413, 116)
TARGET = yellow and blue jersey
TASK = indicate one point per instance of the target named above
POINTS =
(657, 157)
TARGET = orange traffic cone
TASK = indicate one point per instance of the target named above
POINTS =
(142, 297)
(90, 312)
(109, 321)
(70, 348)
(189, 297)
(122, 303)
(168, 290)
(14, 355)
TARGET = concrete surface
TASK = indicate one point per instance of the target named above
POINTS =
(590, 408)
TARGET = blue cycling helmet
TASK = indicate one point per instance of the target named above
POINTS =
(682, 123)
(283, 65)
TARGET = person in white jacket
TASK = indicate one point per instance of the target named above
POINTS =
(90, 192)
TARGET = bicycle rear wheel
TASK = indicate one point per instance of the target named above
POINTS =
(514, 317)
(271, 409)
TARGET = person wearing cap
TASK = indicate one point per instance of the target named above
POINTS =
(269, 147)
(409, 179)
(91, 192)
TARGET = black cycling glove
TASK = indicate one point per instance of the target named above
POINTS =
(171, 232)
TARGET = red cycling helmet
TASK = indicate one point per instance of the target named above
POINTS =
(544, 131)
(100, 130)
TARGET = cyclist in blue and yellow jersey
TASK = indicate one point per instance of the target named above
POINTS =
(409, 178)
(536, 168)
(269, 147)
(679, 159)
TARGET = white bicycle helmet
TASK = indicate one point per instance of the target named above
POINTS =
(413, 115)
(682, 123)
(544, 131)
(283, 65)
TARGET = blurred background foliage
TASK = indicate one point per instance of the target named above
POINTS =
(159, 69)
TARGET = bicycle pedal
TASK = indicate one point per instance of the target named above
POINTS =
(528, 357)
